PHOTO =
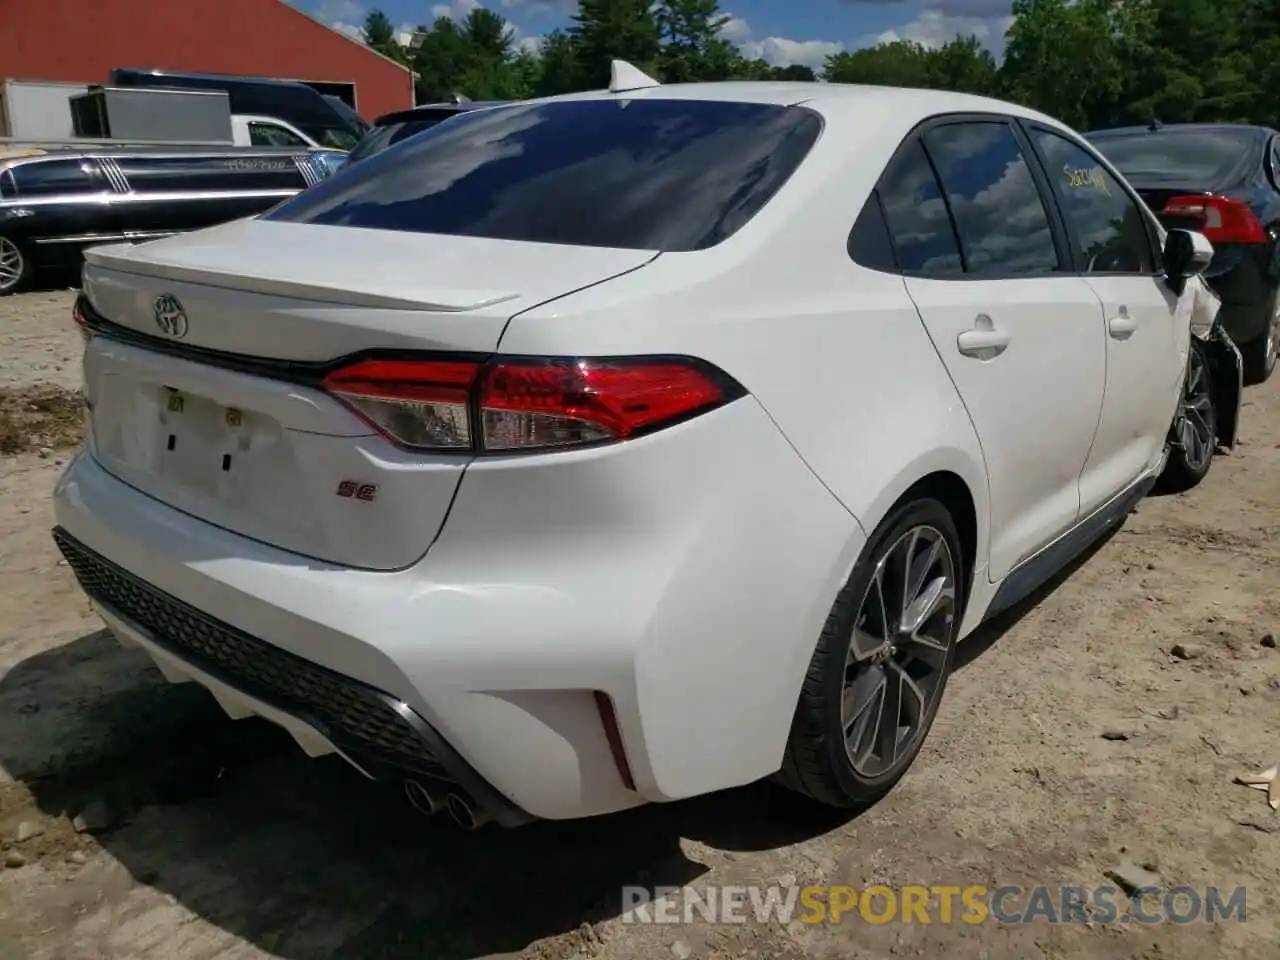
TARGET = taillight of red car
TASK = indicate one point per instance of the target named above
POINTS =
(511, 405)
(1221, 219)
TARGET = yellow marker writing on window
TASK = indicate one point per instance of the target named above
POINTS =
(1086, 178)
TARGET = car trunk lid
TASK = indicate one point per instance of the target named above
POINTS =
(204, 383)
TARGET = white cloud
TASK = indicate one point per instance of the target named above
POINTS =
(565, 7)
(736, 30)
(528, 44)
(933, 28)
(777, 51)
(347, 29)
(455, 10)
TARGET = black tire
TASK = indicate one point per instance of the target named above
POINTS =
(1260, 353)
(9, 281)
(1196, 425)
(818, 762)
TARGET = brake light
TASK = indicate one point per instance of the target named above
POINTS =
(1221, 219)
(516, 404)
(420, 404)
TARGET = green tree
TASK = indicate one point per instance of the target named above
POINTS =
(795, 71)
(379, 34)
(692, 48)
(488, 35)
(441, 58)
(965, 65)
(560, 70)
(1065, 57)
(903, 63)
(607, 30)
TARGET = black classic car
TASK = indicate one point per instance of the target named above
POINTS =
(54, 204)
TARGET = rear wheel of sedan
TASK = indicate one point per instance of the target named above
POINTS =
(15, 269)
(882, 663)
(1195, 434)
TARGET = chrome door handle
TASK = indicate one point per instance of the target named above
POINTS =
(984, 341)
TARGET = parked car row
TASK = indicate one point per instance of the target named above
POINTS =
(631, 445)
(55, 204)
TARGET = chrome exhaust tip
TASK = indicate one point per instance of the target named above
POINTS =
(465, 814)
(425, 800)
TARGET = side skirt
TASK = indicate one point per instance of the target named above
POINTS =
(1038, 569)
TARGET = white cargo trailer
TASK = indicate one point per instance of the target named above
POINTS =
(37, 109)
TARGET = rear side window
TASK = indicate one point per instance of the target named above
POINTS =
(999, 212)
(52, 178)
(917, 217)
(674, 175)
(214, 174)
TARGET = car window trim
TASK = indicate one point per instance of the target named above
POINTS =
(1056, 225)
(1150, 228)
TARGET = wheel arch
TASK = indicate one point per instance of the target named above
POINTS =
(951, 478)
(958, 480)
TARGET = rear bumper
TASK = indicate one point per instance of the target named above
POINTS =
(1246, 286)
(686, 577)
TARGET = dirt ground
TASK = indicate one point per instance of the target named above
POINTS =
(1071, 740)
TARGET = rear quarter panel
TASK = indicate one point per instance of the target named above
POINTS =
(835, 353)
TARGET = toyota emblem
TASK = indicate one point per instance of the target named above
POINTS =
(170, 317)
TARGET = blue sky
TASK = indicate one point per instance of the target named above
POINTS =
(780, 31)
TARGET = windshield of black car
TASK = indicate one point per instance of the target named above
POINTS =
(340, 138)
(648, 174)
(1205, 156)
(384, 135)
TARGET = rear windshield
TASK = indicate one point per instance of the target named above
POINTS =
(1194, 157)
(674, 175)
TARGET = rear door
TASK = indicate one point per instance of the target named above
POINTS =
(1147, 334)
(1021, 338)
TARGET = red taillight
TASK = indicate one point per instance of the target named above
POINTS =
(424, 404)
(1221, 219)
(566, 403)
(525, 404)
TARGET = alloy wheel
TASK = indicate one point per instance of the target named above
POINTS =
(897, 657)
(12, 265)
(1196, 432)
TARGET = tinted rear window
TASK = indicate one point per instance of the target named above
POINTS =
(673, 175)
(1210, 157)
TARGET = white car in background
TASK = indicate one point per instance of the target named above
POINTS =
(630, 445)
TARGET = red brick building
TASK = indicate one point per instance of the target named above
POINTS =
(77, 41)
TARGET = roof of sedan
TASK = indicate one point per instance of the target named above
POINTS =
(822, 96)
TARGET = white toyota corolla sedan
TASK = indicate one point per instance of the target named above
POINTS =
(630, 445)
